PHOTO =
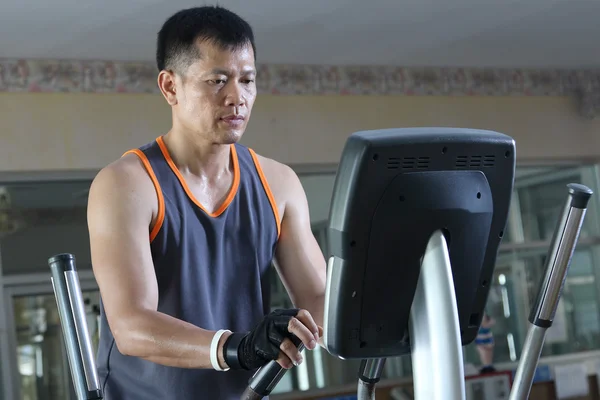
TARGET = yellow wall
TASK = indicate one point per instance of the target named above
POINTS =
(86, 131)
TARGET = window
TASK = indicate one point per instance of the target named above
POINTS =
(537, 204)
(42, 363)
(40, 219)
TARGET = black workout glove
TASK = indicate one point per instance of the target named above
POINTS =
(256, 348)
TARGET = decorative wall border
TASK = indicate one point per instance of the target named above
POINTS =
(18, 75)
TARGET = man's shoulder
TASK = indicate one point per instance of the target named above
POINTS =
(277, 173)
(127, 172)
(282, 180)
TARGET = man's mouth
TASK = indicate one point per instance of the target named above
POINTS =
(234, 121)
(233, 118)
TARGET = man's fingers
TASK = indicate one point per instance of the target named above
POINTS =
(285, 363)
(307, 319)
(303, 333)
(305, 328)
(289, 354)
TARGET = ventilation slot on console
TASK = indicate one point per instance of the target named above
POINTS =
(489, 161)
(408, 162)
(475, 161)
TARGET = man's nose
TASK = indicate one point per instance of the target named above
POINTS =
(235, 96)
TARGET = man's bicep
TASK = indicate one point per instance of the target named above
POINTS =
(119, 214)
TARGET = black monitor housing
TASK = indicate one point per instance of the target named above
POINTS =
(393, 190)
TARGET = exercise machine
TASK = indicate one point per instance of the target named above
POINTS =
(416, 219)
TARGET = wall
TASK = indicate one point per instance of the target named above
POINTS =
(53, 131)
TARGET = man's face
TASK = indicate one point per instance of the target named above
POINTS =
(216, 94)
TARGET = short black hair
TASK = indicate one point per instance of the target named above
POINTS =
(176, 44)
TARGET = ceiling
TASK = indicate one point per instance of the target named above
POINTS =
(471, 33)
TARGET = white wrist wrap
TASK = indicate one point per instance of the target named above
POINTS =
(214, 347)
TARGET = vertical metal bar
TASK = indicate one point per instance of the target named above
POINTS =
(557, 266)
(5, 370)
(369, 374)
(371, 369)
(8, 343)
(7, 367)
(437, 358)
(83, 336)
(65, 313)
(13, 341)
(517, 274)
(365, 390)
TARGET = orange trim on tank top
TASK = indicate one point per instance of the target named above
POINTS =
(267, 188)
(232, 190)
(160, 217)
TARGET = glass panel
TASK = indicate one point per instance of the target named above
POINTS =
(38, 220)
(41, 357)
(539, 197)
(537, 203)
(524, 176)
(318, 189)
(517, 280)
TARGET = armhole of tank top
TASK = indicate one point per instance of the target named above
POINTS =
(160, 217)
(267, 188)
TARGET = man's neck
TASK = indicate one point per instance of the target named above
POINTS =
(198, 157)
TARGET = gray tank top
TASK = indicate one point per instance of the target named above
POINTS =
(212, 271)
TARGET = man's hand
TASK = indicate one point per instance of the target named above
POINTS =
(276, 337)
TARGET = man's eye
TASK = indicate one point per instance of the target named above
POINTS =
(248, 81)
(216, 81)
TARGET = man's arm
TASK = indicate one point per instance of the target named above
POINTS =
(122, 204)
(299, 258)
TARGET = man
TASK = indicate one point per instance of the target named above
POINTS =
(485, 345)
(184, 229)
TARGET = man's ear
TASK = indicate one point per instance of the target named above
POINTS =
(167, 86)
